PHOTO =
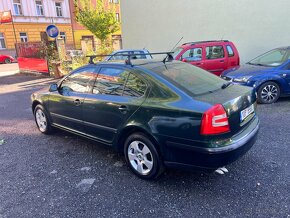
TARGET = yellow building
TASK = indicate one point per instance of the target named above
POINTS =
(81, 33)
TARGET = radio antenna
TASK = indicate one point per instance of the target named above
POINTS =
(171, 57)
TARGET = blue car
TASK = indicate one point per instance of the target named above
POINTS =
(268, 74)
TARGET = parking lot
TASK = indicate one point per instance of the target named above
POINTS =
(63, 175)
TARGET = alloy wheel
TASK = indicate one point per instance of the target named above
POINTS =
(269, 93)
(140, 157)
(41, 120)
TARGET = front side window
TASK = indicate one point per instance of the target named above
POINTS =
(39, 8)
(214, 52)
(193, 80)
(79, 81)
(23, 37)
(58, 9)
(272, 58)
(193, 54)
(2, 41)
(17, 7)
(110, 81)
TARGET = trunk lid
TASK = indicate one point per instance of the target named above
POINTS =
(234, 99)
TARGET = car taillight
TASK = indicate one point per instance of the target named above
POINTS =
(215, 121)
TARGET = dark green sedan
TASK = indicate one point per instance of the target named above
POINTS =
(160, 114)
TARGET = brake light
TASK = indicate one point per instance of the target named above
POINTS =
(215, 121)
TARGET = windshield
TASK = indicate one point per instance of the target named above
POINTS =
(176, 52)
(272, 58)
(190, 79)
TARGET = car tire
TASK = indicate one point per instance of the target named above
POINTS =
(268, 93)
(42, 120)
(142, 157)
(7, 61)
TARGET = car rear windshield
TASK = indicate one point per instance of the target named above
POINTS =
(193, 80)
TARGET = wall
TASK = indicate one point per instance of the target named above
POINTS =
(254, 26)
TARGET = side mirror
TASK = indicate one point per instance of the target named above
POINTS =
(53, 87)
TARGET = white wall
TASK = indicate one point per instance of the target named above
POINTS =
(255, 26)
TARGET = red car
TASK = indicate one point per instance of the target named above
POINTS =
(213, 56)
(6, 59)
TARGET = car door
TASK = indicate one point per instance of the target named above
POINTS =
(215, 60)
(285, 74)
(193, 56)
(65, 105)
(115, 96)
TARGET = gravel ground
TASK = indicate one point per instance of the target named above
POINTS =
(63, 175)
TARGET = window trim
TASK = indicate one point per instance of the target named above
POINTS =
(58, 7)
(18, 5)
(37, 5)
(3, 37)
(26, 37)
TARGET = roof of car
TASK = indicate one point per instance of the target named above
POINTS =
(203, 42)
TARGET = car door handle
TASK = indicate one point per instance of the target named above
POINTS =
(222, 61)
(123, 109)
(77, 102)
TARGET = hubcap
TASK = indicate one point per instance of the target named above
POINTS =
(140, 157)
(269, 93)
(41, 120)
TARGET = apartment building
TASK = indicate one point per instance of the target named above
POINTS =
(31, 17)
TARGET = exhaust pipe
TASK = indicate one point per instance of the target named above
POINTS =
(221, 170)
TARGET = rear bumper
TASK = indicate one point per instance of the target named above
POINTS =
(189, 156)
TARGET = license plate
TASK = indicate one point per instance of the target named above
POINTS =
(246, 112)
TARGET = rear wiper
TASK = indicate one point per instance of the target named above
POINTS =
(225, 85)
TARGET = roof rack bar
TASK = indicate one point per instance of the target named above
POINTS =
(128, 61)
(205, 41)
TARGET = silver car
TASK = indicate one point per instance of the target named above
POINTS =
(118, 55)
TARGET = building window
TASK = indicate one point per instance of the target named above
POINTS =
(58, 9)
(114, 1)
(118, 17)
(62, 36)
(39, 8)
(17, 7)
(23, 37)
(2, 41)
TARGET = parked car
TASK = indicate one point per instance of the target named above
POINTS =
(158, 113)
(74, 53)
(6, 59)
(268, 73)
(121, 54)
(213, 56)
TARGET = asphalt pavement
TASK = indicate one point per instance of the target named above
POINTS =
(63, 175)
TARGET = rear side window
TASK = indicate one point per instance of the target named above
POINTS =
(193, 80)
(230, 51)
(110, 81)
(79, 81)
(134, 87)
(214, 52)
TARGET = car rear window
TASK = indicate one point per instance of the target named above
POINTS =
(193, 80)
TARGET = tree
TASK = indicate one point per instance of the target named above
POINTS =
(97, 18)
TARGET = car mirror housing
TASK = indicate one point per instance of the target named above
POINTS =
(53, 87)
